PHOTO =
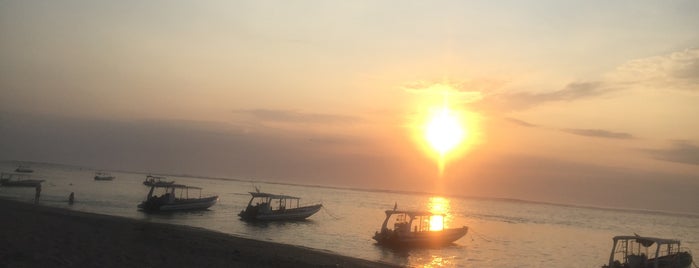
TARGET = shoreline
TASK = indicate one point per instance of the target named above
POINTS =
(43, 236)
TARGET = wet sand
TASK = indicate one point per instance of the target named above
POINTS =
(39, 236)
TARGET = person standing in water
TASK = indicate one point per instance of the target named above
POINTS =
(71, 198)
(38, 192)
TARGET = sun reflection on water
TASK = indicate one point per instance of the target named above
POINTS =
(441, 207)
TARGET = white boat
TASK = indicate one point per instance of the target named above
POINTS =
(416, 229)
(273, 207)
(175, 197)
(24, 169)
(157, 180)
(634, 251)
(18, 180)
(103, 176)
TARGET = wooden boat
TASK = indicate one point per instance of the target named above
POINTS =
(103, 176)
(24, 169)
(273, 207)
(157, 180)
(416, 229)
(632, 251)
(175, 197)
(18, 180)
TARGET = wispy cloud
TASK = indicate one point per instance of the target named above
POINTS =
(681, 152)
(464, 92)
(291, 116)
(525, 100)
(599, 133)
(520, 122)
(678, 70)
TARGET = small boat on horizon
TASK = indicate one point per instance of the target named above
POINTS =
(175, 197)
(103, 176)
(157, 180)
(24, 169)
(19, 180)
(413, 228)
(631, 251)
(274, 207)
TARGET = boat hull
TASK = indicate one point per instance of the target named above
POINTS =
(104, 178)
(419, 239)
(294, 214)
(179, 204)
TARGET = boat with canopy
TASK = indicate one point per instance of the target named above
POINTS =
(274, 207)
(175, 197)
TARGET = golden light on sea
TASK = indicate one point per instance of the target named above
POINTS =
(439, 206)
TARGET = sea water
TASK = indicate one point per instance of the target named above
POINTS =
(502, 233)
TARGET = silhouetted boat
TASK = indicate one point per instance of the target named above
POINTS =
(103, 176)
(24, 169)
(415, 229)
(156, 180)
(631, 251)
(175, 197)
(273, 207)
(18, 180)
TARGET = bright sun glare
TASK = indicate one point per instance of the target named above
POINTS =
(444, 131)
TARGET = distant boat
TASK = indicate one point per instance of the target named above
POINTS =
(631, 251)
(103, 176)
(413, 229)
(175, 197)
(24, 169)
(18, 180)
(273, 207)
(157, 180)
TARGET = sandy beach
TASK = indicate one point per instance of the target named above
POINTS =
(39, 236)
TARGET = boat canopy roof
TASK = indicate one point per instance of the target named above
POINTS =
(177, 186)
(647, 241)
(411, 213)
(272, 196)
(157, 177)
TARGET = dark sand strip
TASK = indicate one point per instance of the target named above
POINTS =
(39, 236)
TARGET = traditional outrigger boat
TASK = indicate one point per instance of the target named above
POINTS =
(103, 176)
(157, 180)
(175, 197)
(273, 207)
(416, 229)
(18, 180)
(631, 251)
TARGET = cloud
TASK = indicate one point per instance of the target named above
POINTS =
(520, 122)
(289, 116)
(525, 100)
(678, 70)
(680, 152)
(599, 133)
(465, 92)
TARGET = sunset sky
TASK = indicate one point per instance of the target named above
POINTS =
(576, 102)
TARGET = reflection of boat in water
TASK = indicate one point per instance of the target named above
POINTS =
(272, 207)
(103, 176)
(157, 181)
(415, 229)
(24, 169)
(175, 197)
(18, 180)
(631, 251)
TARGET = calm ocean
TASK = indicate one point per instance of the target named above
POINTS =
(502, 233)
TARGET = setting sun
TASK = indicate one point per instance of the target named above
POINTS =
(444, 131)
